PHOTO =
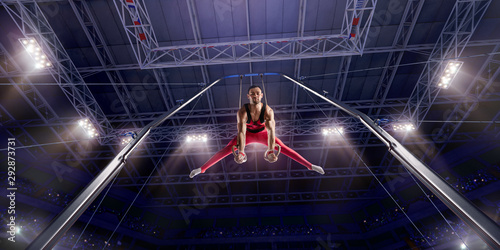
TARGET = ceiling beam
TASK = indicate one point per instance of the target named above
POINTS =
(376, 50)
(312, 144)
(101, 50)
(247, 199)
(401, 39)
(122, 121)
(251, 176)
(43, 110)
(477, 89)
(458, 30)
(138, 28)
(206, 78)
(403, 34)
(32, 23)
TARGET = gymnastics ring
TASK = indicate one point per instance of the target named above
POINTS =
(272, 151)
(234, 148)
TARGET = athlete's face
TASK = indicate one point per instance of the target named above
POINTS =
(255, 95)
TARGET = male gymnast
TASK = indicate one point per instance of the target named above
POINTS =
(255, 125)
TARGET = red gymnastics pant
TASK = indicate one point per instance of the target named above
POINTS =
(260, 137)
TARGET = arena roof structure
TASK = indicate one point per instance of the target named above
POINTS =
(80, 78)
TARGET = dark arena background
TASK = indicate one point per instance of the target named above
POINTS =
(82, 80)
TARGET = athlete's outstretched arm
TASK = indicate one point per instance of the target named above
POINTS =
(271, 133)
(238, 140)
(242, 130)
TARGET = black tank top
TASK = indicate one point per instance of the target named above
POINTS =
(259, 125)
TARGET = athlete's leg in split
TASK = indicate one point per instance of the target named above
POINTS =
(262, 138)
(297, 157)
(250, 138)
(214, 159)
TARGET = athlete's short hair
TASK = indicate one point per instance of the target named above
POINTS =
(253, 87)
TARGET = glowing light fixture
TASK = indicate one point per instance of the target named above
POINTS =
(197, 138)
(126, 140)
(332, 131)
(463, 246)
(449, 74)
(128, 137)
(35, 51)
(88, 128)
(403, 127)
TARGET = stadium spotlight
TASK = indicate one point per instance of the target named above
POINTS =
(449, 74)
(88, 128)
(403, 127)
(35, 51)
(128, 137)
(126, 140)
(197, 138)
(333, 131)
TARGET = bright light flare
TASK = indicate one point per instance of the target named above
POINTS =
(449, 74)
(463, 246)
(35, 51)
(126, 140)
(333, 131)
(403, 127)
(197, 138)
(88, 128)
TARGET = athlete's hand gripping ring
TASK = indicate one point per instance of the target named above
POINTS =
(234, 149)
(268, 152)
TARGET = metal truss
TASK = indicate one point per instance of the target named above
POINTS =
(455, 36)
(20, 134)
(226, 131)
(297, 73)
(26, 89)
(209, 149)
(309, 197)
(123, 121)
(491, 127)
(479, 87)
(251, 51)
(354, 24)
(458, 29)
(97, 69)
(342, 78)
(403, 34)
(206, 78)
(340, 172)
(141, 35)
(165, 91)
(40, 106)
(389, 105)
(96, 39)
(169, 102)
(138, 28)
(32, 23)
